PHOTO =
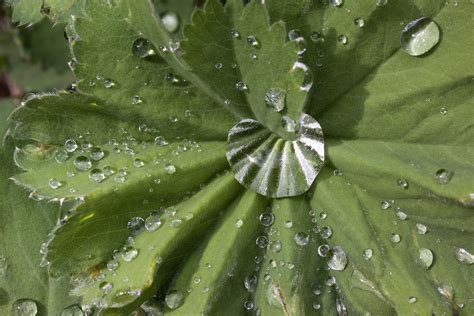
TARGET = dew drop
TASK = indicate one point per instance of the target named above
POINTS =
(301, 239)
(443, 176)
(443, 111)
(367, 254)
(336, 3)
(24, 307)
(385, 205)
(106, 287)
(170, 169)
(129, 253)
(288, 224)
(402, 215)
(241, 86)
(275, 99)
(138, 163)
(109, 83)
(316, 37)
(82, 163)
(402, 183)
(381, 3)
(70, 145)
(421, 229)
(359, 22)
(295, 36)
(395, 238)
(97, 153)
(235, 34)
(170, 21)
(239, 223)
(343, 39)
(276, 246)
(143, 48)
(250, 283)
(267, 219)
(261, 241)
(135, 224)
(420, 36)
(174, 299)
(324, 250)
(72, 310)
(54, 183)
(425, 258)
(463, 256)
(252, 40)
(152, 222)
(338, 261)
(326, 232)
(96, 175)
(136, 99)
(3, 265)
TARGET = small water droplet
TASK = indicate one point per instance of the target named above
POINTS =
(170, 169)
(443, 176)
(109, 83)
(381, 3)
(420, 36)
(367, 254)
(142, 48)
(72, 310)
(324, 250)
(152, 222)
(174, 299)
(316, 37)
(250, 283)
(239, 223)
(421, 229)
(443, 111)
(463, 256)
(96, 153)
(174, 46)
(425, 258)
(385, 205)
(343, 39)
(267, 219)
(402, 183)
(70, 145)
(136, 99)
(395, 238)
(402, 215)
(261, 241)
(135, 224)
(326, 232)
(96, 175)
(106, 287)
(138, 163)
(412, 300)
(235, 34)
(275, 246)
(360, 22)
(241, 86)
(252, 40)
(275, 99)
(24, 307)
(338, 260)
(301, 239)
(54, 183)
(295, 36)
(288, 224)
(248, 305)
(170, 21)
(82, 163)
(129, 253)
(336, 3)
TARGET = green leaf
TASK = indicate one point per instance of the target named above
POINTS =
(380, 230)
(26, 11)
(6, 107)
(23, 232)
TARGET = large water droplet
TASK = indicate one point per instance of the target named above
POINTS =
(152, 222)
(271, 166)
(96, 175)
(97, 153)
(143, 48)
(275, 99)
(421, 229)
(338, 261)
(70, 145)
(419, 36)
(129, 253)
(301, 239)
(24, 307)
(267, 219)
